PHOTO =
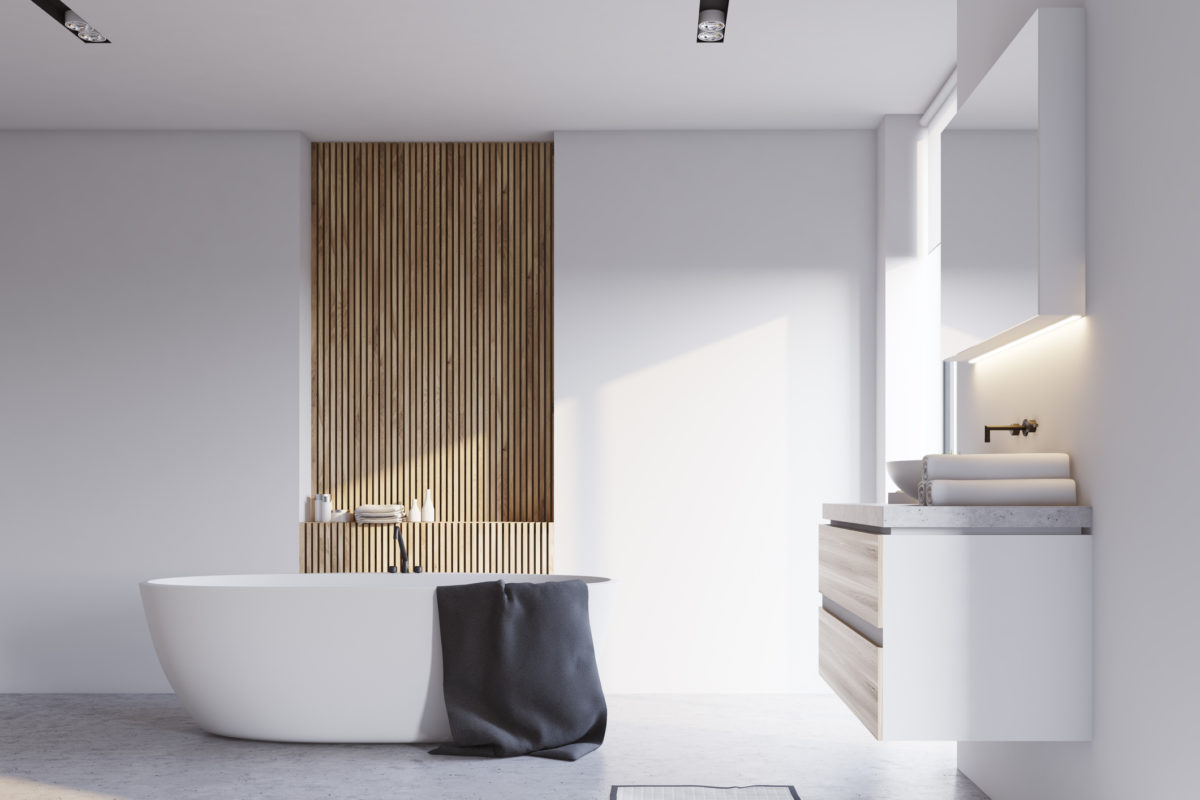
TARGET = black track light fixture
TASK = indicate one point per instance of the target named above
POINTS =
(77, 25)
(710, 27)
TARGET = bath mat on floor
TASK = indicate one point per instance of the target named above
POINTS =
(704, 793)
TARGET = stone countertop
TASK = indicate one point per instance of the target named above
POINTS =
(895, 515)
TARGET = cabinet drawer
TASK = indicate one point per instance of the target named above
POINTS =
(851, 571)
(851, 666)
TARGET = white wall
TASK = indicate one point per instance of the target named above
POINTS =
(989, 234)
(1118, 391)
(985, 28)
(151, 294)
(714, 383)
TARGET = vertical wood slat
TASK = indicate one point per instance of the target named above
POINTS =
(432, 360)
(516, 547)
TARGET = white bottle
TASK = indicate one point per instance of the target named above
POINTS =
(321, 508)
(427, 514)
(414, 513)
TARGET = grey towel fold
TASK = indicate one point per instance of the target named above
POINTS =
(519, 670)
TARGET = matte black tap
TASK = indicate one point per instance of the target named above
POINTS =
(403, 552)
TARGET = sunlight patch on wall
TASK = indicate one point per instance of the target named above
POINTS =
(722, 410)
(21, 789)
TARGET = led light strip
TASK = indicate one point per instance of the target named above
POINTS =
(1023, 339)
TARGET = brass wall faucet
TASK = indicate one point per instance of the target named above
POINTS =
(1025, 428)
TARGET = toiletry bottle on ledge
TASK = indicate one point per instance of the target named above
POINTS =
(322, 508)
(414, 513)
(427, 513)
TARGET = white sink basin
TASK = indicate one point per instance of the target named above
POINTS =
(906, 475)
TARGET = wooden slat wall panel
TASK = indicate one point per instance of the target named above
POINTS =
(432, 303)
(520, 547)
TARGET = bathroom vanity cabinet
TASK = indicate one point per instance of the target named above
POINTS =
(959, 623)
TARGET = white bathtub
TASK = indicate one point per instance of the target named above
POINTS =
(346, 657)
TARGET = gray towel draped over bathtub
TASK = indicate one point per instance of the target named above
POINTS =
(519, 670)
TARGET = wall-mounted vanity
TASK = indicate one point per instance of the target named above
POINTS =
(1013, 192)
(974, 623)
(957, 622)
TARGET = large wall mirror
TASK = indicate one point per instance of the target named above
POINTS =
(1013, 167)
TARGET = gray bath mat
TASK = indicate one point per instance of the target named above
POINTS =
(704, 793)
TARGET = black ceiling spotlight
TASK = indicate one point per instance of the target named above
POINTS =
(710, 28)
(71, 21)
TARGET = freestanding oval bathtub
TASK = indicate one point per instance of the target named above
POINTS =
(331, 657)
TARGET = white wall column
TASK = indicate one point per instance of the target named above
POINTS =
(909, 388)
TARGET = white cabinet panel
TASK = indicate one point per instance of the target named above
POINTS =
(986, 637)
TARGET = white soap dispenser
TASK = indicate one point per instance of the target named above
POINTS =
(427, 512)
(414, 513)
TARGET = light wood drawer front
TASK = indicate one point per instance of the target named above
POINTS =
(850, 665)
(851, 571)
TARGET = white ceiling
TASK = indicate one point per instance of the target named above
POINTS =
(471, 69)
(1007, 97)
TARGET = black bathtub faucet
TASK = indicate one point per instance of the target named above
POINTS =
(403, 553)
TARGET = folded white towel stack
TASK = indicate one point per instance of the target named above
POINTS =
(1032, 479)
(379, 514)
(999, 465)
(1001, 492)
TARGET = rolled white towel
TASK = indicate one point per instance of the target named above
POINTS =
(379, 509)
(987, 466)
(1001, 492)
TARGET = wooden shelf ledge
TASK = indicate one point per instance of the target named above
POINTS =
(515, 547)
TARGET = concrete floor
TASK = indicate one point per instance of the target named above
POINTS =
(144, 747)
